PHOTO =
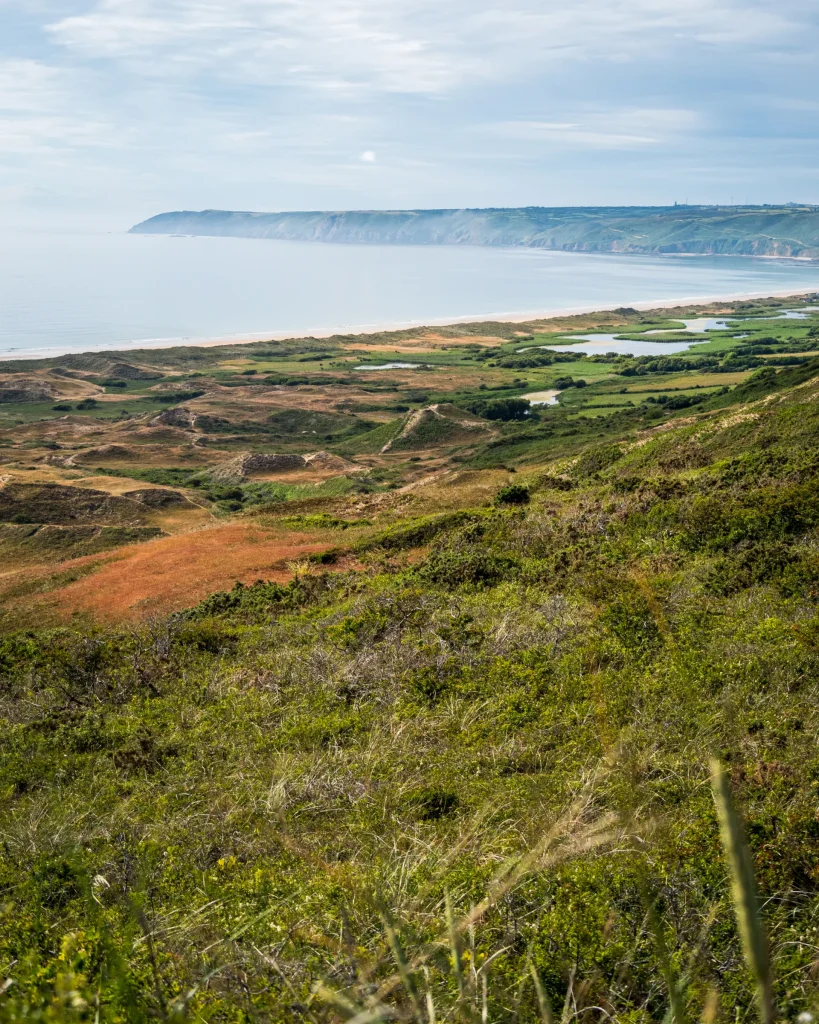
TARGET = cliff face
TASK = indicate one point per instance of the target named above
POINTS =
(744, 231)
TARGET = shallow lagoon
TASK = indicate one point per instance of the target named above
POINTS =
(542, 397)
(392, 366)
(595, 344)
(599, 344)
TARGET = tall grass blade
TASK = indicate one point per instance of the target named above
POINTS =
(743, 889)
(676, 1009)
(403, 968)
(543, 1004)
(710, 1008)
(484, 1000)
(455, 949)
(353, 1013)
(566, 1015)
(430, 1008)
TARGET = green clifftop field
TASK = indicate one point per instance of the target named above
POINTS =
(444, 751)
(739, 230)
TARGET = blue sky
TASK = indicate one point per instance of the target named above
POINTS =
(112, 110)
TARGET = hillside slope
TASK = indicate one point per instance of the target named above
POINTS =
(262, 808)
(746, 231)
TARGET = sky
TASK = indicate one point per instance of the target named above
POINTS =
(114, 110)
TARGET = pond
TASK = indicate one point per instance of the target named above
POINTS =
(701, 324)
(542, 397)
(599, 344)
(393, 366)
(696, 326)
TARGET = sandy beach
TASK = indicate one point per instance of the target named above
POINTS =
(380, 328)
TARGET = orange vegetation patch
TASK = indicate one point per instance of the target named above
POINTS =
(430, 342)
(468, 339)
(404, 347)
(165, 575)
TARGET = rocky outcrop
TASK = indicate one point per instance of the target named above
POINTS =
(179, 416)
(125, 371)
(439, 425)
(60, 505)
(329, 462)
(115, 452)
(157, 497)
(249, 463)
(22, 389)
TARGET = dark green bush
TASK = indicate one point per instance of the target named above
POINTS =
(172, 397)
(452, 568)
(501, 408)
(597, 459)
(513, 494)
(432, 804)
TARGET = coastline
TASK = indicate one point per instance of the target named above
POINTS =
(353, 330)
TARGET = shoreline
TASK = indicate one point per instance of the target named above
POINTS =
(21, 355)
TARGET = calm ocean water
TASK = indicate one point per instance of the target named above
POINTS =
(78, 293)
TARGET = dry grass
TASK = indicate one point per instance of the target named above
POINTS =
(172, 573)
(692, 380)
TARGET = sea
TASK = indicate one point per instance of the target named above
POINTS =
(74, 292)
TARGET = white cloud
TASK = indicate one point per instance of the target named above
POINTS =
(38, 111)
(610, 129)
(344, 44)
(44, 135)
(275, 103)
(28, 85)
(413, 46)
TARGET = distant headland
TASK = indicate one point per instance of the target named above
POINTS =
(790, 231)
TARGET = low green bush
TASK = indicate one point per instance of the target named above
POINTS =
(513, 494)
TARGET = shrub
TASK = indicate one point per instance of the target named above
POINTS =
(630, 620)
(501, 408)
(513, 494)
(210, 635)
(453, 568)
(597, 459)
(431, 804)
(555, 483)
(173, 396)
